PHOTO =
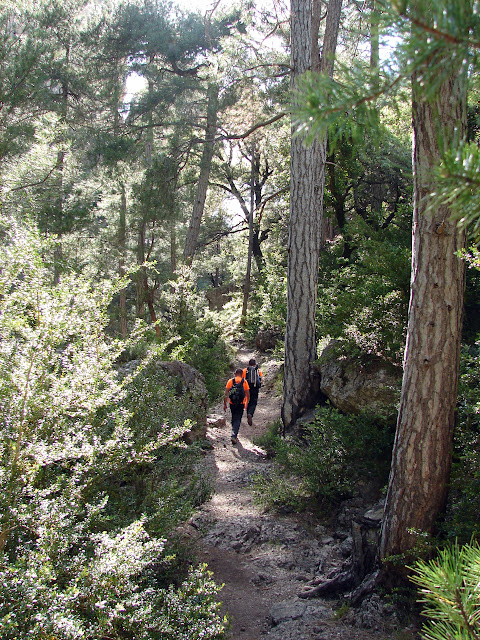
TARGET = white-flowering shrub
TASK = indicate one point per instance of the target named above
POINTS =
(68, 570)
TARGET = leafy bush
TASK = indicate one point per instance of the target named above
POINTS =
(191, 336)
(157, 407)
(335, 450)
(364, 300)
(270, 437)
(206, 351)
(268, 301)
(449, 589)
(76, 560)
(281, 491)
(463, 509)
(112, 593)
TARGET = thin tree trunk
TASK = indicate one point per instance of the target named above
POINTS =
(205, 168)
(58, 252)
(327, 64)
(153, 314)
(173, 246)
(140, 279)
(122, 217)
(122, 226)
(422, 452)
(378, 189)
(339, 197)
(307, 167)
(246, 286)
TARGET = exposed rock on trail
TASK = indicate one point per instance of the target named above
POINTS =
(266, 561)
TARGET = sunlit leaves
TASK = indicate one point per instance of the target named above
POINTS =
(437, 41)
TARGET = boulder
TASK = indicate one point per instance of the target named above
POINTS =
(352, 384)
(267, 339)
(190, 383)
(219, 296)
(216, 421)
(189, 389)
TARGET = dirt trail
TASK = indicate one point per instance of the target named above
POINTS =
(264, 560)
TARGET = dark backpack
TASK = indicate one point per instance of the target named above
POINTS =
(237, 392)
(253, 377)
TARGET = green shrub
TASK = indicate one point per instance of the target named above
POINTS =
(270, 439)
(77, 557)
(205, 350)
(364, 300)
(463, 508)
(165, 490)
(268, 301)
(110, 594)
(281, 491)
(158, 409)
(334, 451)
(191, 336)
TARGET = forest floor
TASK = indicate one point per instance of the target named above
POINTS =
(265, 559)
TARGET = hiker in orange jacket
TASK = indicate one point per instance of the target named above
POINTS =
(238, 392)
(254, 378)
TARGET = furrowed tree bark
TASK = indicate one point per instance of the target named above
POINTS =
(205, 168)
(307, 171)
(422, 452)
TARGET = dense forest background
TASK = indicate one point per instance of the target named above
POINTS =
(153, 210)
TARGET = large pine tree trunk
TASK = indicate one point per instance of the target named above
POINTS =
(422, 452)
(205, 168)
(307, 178)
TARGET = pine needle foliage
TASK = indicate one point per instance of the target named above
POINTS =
(458, 180)
(450, 589)
(436, 41)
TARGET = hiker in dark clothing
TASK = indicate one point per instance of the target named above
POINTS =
(238, 392)
(254, 377)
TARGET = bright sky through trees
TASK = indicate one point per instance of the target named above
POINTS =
(135, 82)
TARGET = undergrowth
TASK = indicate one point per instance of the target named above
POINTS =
(321, 464)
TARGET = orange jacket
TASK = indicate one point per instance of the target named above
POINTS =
(229, 385)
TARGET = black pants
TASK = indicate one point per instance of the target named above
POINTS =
(252, 404)
(237, 413)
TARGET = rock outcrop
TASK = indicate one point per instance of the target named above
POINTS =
(353, 384)
(267, 339)
(219, 296)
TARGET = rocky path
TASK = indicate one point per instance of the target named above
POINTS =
(265, 560)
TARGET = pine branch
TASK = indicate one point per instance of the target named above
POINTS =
(259, 125)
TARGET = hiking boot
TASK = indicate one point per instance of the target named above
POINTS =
(250, 419)
(234, 439)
